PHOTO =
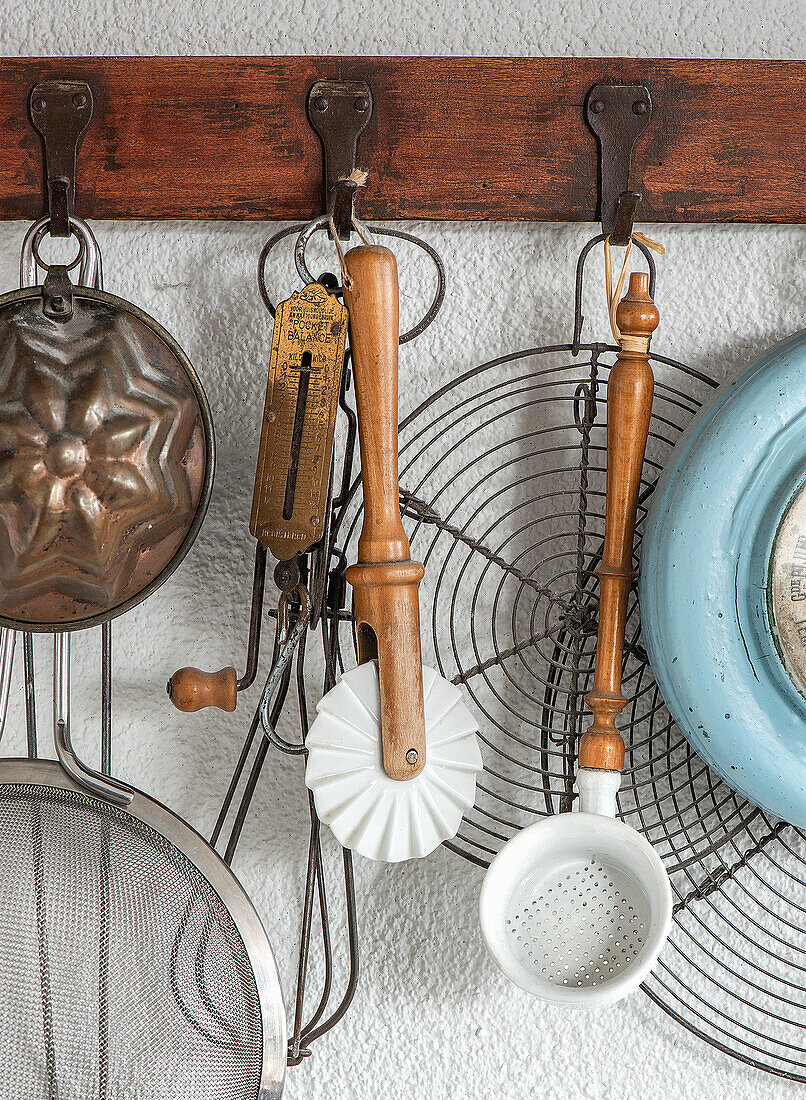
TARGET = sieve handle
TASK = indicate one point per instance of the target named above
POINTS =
(96, 784)
(630, 390)
(385, 581)
(8, 640)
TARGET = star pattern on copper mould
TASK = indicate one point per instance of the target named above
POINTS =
(99, 462)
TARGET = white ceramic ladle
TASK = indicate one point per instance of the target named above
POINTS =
(576, 908)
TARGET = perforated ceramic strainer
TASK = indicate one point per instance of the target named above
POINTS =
(576, 908)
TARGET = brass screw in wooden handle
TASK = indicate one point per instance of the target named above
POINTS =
(630, 390)
(190, 689)
(385, 580)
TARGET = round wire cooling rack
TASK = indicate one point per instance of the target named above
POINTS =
(502, 476)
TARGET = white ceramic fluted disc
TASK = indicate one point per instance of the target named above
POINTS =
(379, 817)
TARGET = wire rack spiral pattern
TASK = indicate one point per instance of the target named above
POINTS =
(502, 477)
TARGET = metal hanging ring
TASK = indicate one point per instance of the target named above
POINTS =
(88, 253)
(377, 231)
(578, 317)
(322, 222)
(39, 236)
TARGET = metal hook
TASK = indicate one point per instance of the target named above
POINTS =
(61, 111)
(343, 207)
(624, 222)
(618, 114)
(287, 643)
(339, 112)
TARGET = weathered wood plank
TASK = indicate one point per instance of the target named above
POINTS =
(452, 138)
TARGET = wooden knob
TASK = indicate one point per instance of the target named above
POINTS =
(630, 390)
(636, 314)
(385, 580)
(190, 689)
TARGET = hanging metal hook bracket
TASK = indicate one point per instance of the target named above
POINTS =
(339, 112)
(618, 114)
(61, 110)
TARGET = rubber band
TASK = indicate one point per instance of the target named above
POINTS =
(614, 296)
(643, 239)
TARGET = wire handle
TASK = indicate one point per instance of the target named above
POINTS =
(8, 640)
(630, 390)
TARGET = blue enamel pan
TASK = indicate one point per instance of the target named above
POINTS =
(723, 583)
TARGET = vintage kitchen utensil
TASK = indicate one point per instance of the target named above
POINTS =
(290, 503)
(131, 960)
(724, 583)
(106, 448)
(392, 754)
(576, 907)
(292, 479)
(513, 450)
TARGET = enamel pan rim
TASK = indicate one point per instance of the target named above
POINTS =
(121, 305)
(705, 582)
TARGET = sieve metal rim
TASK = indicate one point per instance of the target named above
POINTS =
(193, 846)
(102, 297)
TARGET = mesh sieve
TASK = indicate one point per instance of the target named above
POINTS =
(123, 973)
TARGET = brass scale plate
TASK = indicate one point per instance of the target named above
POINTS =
(299, 417)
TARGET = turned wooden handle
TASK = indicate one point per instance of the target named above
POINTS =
(630, 390)
(374, 326)
(190, 689)
(386, 580)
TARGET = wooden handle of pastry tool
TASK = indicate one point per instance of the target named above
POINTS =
(385, 580)
(190, 689)
(630, 390)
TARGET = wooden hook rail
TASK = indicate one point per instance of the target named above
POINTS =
(469, 139)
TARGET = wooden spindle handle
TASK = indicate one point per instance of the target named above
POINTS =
(385, 580)
(630, 390)
(190, 689)
(374, 325)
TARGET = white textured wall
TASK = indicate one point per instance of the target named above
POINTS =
(432, 1017)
